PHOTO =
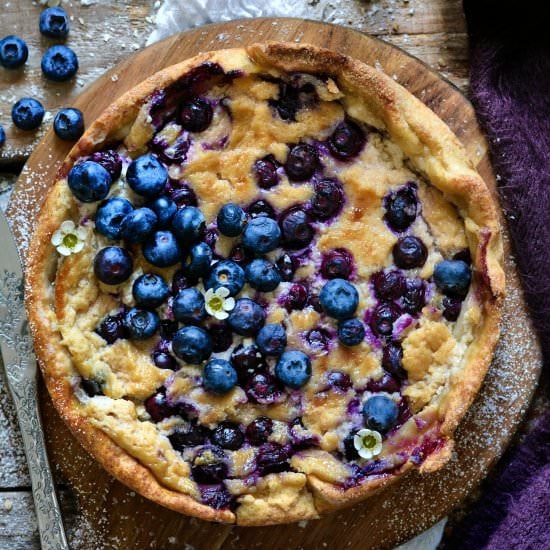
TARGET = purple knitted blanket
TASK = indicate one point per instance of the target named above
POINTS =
(510, 89)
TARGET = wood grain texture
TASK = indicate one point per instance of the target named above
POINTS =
(118, 518)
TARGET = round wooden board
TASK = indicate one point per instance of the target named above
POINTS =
(113, 516)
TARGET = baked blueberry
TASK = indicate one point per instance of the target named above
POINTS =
(227, 274)
(110, 160)
(240, 255)
(54, 23)
(188, 306)
(347, 140)
(401, 208)
(189, 225)
(272, 458)
(247, 317)
(164, 360)
(89, 181)
(293, 369)
(141, 323)
(217, 497)
(165, 209)
(388, 285)
(2, 136)
(301, 162)
(263, 388)
(339, 299)
(68, 124)
(414, 297)
(453, 277)
(451, 308)
(318, 339)
(262, 275)
(197, 263)
(261, 235)
(287, 265)
(193, 436)
(328, 198)
(231, 220)
(195, 115)
(337, 264)
(113, 265)
(350, 452)
(59, 63)
(392, 358)
(209, 465)
(380, 413)
(109, 217)
(222, 337)
(91, 387)
(265, 172)
(382, 319)
(409, 252)
(158, 407)
(260, 208)
(27, 113)
(247, 360)
(150, 291)
(339, 380)
(192, 345)
(386, 382)
(296, 229)
(228, 435)
(162, 249)
(351, 332)
(182, 195)
(147, 176)
(13, 52)
(271, 339)
(258, 431)
(112, 328)
(219, 376)
(138, 225)
(295, 298)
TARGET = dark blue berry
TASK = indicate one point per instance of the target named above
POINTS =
(261, 208)
(293, 369)
(388, 285)
(247, 317)
(197, 262)
(241, 255)
(27, 113)
(150, 291)
(247, 360)
(2, 136)
(231, 220)
(272, 458)
(301, 162)
(271, 339)
(318, 339)
(295, 298)
(259, 430)
(383, 318)
(380, 413)
(192, 345)
(180, 281)
(409, 252)
(68, 124)
(13, 52)
(54, 23)
(113, 265)
(328, 198)
(392, 357)
(209, 466)
(141, 323)
(89, 181)
(451, 308)
(227, 274)
(387, 383)
(347, 140)
(414, 297)
(188, 306)
(147, 176)
(219, 376)
(339, 299)
(350, 452)
(158, 408)
(222, 337)
(91, 387)
(138, 225)
(164, 360)
(165, 209)
(262, 275)
(112, 328)
(263, 388)
(337, 264)
(193, 436)
(261, 235)
(195, 115)
(189, 225)
(296, 228)
(168, 329)
(228, 435)
(110, 160)
(401, 208)
(351, 332)
(59, 63)
(183, 195)
(109, 217)
(265, 172)
(453, 277)
(287, 266)
(339, 380)
(217, 497)
(162, 249)
(464, 255)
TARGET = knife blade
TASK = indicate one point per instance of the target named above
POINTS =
(19, 363)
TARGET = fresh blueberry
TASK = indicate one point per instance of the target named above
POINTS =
(227, 274)
(247, 317)
(453, 277)
(165, 209)
(265, 172)
(401, 208)
(91, 387)
(383, 318)
(54, 23)
(147, 176)
(189, 225)
(263, 388)
(337, 264)
(141, 323)
(347, 140)
(388, 285)
(296, 228)
(271, 339)
(387, 383)
(318, 339)
(339, 299)
(351, 332)
(192, 345)
(240, 255)
(162, 249)
(228, 435)
(262, 275)
(247, 360)
(13, 52)
(414, 297)
(188, 306)
(272, 458)
(112, 328)
(150, 291)
(451, 308)
(260, 208)
(222, 337)
(217, 497)
(195, 115)
(259, 430)
(287, 266)
(231, 220)
(89, 181)
(295, 298)
(197, 263)
(219, 376)
(138, 225)
(2, 136)
(27, 113)
(392, 359)
(293, 369)
(209, 466)
(328, 198)
(409, 252)
(59, 63)
(109, 217)
(380, 413)
(110, 160)
(164, 360)
(193, 436)
(339, 380)
(261, 235)
(68, 124)
(301, 162)
(113, 265)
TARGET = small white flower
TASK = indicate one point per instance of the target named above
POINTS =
(69, 239)
(218, 302)
(368, 443)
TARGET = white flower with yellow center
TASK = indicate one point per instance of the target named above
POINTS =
(368, 443)
(69, 239)
(218, 302)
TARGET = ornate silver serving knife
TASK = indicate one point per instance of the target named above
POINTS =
(21, 371)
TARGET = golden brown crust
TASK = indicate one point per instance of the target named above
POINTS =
(433, 150)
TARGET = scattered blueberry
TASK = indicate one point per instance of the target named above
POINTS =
(339, 380)
(453, 277)
(219, 376)
(383, 318)
(262, 275)
(91, 387)
(222, 337)
(112, 328)
(247, 360)
(231, 220)
(265, 172)
(414, 297)
(110, 160)
(165, 209)
(89, 181)
(217, 496)
(113, 265)
(351, 332)
(162, 249)
(260, 208)
(2, 136)
(318, 339)
(263, 388)
(339, 299)
(188, 306)
(295, 298)
(228, 435)
(261, 235)
(387, 382)
(388, 285)
(141, 323)
(350, 452)
(272, 458)
(54, 23)
(380, 413)
(164, 360)
(301, 162)
(328, 198)
(293, 369)
(193, 436)
(192, 345)
(195, 115)
(227, 274)
(287, 266)
(401, 208)
(247, 317)
(409, 252)
(189, 225)
(13, 52)
(197, 262)
(68, 124)
(296, 228)
(150, 291)
(176, 153)
(138, 225)
(147, 176)
(183, 195)
(337, 264)
(392, 357)
(209, 466)
(451, 308)
(59, 63)
(27, 113)
(109, 216)
(158, 407)
(271, 339)
(347, 140)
